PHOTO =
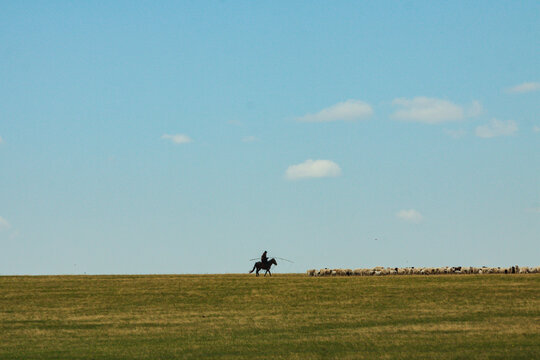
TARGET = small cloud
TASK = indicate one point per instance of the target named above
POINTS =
(535, 209)
(313, 169)
(1, 140)
(456, 134)
(536, 128)
(249, 139)
(427, 110)
(348, 110)
(234, 122)
(525, 87)
(410, 215)
(474, 109)
(4, 224)
(177, 138)
(14, 235)
(497, 128)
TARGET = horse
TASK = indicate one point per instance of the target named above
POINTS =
(264, 266)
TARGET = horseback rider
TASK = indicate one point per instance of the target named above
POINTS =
(264, 264)
(264, 258)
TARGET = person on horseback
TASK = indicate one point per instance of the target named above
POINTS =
(265, 264)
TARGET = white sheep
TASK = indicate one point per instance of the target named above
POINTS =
(380, 271)
(340, 272)
(326, 272)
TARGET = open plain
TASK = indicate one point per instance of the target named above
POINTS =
(280, 317)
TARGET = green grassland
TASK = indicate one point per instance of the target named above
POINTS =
(282, 317)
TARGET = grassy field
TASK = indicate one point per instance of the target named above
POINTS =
(283, 317)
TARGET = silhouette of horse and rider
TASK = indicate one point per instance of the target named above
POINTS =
(264, 264)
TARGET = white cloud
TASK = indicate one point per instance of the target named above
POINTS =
(497, 128)
(1, 140)
(4, 224)
(14, 235)
(535, 209)
(410, 215)
(432, 110)
(177, 138)
(234, 122)
(474, 109)
(348, 110)
(313, 169)
(456, 134)
(249, 139)
(525, 87)
(536, 128)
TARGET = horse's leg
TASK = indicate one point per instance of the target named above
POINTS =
(269, 272)
(257, 272)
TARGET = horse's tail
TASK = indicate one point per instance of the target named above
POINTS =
(254, 266)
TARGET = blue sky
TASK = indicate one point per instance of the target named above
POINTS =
(188, 137)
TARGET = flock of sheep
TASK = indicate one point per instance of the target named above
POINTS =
(381, 271)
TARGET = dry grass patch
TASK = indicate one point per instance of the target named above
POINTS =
(283, 317)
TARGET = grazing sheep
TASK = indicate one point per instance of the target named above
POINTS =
(382, 271)
(326, 272)
(340, 272)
